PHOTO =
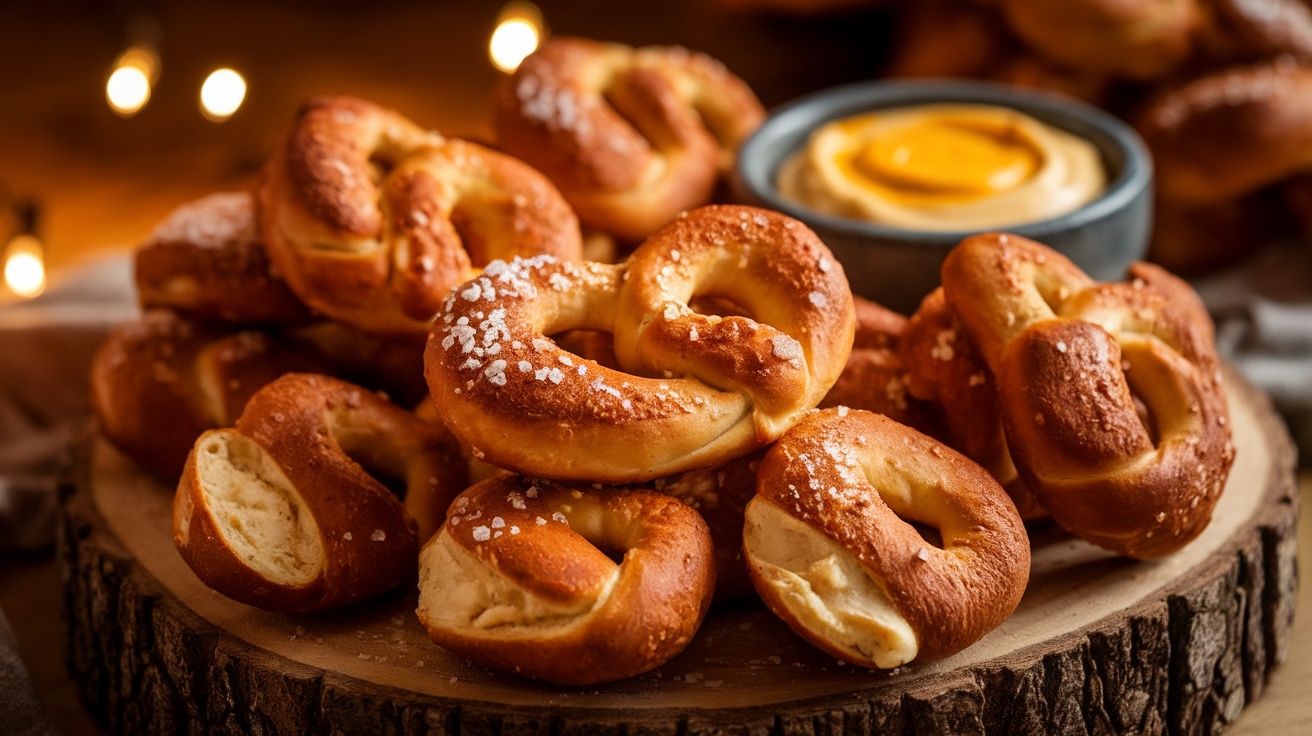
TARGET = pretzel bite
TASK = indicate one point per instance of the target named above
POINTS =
(833, 549)
(558, 584)
(696, 390)
(631, 136)
(285, 512)
(206, 261)
(157, 383)
(947, 370)
(372, 220)
(1110, 393)
(875, 377)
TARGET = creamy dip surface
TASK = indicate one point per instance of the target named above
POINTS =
(943, 167)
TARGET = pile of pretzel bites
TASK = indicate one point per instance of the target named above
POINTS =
(387, 364)
(1221, 91)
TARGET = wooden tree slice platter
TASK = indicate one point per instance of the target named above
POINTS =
(1099, 644)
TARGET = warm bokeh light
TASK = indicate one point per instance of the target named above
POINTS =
(25, 269)
(222, 94)
(128, 87)
(517, 34)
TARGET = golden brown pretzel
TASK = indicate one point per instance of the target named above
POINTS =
(284, 511)
(157, 383)
(207, 261)
(831, 545)
(631, 136)
(372, 220)
(1136, 39)
(1227, 134)
(519, 579)
(1110, 393)
(945, 369)
(697, 390)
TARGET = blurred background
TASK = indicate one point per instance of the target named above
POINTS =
(114, 113)
(87, 178)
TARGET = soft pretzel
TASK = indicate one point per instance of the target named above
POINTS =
(206, 260)
(372, 220)
(1225, 135)
(875, 377)
(284, 511)
(946, 370)
(833, 549)
(521, 578)
(1138, 39)
(697, 390)
(631, 136)
(159, 382)
(1110, 393)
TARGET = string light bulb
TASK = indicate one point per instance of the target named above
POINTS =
(518, 32)
(222, 94)
(24, 257)
(130, 81)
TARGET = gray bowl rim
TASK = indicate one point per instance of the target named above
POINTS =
(798, 117)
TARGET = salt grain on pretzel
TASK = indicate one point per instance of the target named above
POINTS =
(696, 391)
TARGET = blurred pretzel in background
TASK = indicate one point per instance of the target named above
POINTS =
(631, 136)
(1217, 87)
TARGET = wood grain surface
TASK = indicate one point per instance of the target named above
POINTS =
(1100, 644)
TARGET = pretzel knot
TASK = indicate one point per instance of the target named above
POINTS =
(1110, 393)
(694, 390)
(631, 136)
(371, 220)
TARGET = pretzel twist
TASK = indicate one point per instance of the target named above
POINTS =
(1225, 135)
(1110, 393)
(284, 511)
(519, 579)
(372, 220)
(695, 391)
(832, 549)
(631, 136)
